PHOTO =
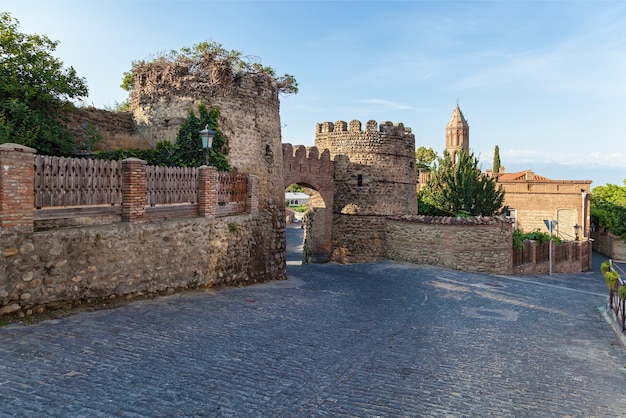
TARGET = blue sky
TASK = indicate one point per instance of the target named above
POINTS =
(543, 80)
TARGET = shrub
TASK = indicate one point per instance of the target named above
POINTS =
(611, 278)
(536, 235)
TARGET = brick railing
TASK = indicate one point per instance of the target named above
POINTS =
(568, 256)
(62, 188)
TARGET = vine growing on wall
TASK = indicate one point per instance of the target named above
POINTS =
(188, 150)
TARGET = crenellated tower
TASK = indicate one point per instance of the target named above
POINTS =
(457, 134)
(374, 178)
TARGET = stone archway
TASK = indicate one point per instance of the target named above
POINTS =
(314, 171)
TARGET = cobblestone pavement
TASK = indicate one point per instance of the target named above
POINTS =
(374, 339)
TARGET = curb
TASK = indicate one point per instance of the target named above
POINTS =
(609, 317)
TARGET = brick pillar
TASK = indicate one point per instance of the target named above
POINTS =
(133, 189)
(17, 190)
(207, 191)
(252, 198)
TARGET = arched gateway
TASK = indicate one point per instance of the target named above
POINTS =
(314, 171)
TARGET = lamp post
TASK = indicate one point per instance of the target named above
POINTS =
(207, 140)
(576, 228)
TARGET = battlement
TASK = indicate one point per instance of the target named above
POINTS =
(302, 154)
(384, 128)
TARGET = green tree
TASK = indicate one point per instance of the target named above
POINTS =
(496, 160)
(294, 188)
(608, 208)
(424, 157)
(35, 90)
(460, 189)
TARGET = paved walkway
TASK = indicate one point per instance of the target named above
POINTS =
(374, 339)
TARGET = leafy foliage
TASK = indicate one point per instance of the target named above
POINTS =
(294, 188)
(608, 208)
(460, 189)
(187, 151)
(198, 55)
(424, 157)
(35, 89)
(611, 277)
(161, 155)
(536, 235)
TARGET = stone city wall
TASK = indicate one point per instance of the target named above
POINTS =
(609, 245)
(54, 268)
(478, 244)
(358, 239)
(111, 127)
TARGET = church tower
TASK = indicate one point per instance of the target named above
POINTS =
(457, 134)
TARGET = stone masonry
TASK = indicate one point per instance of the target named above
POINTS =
(374, 178)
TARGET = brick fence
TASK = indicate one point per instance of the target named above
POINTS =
(73, 188)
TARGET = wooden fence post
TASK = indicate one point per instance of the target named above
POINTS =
(133, 189)
(17, 196)
(207, 191)
(252, 198)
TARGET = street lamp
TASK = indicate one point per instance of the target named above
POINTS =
(576, 228)
(207, 140)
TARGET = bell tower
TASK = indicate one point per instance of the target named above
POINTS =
(457, 134)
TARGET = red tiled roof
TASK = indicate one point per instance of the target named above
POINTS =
(521, 176)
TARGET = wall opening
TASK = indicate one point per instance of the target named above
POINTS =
(305, 224)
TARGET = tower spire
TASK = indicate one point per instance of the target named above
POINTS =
(457, 133)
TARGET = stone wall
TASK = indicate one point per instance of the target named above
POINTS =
(112, 127)
(480, 244)
(357, 238)
(58, 267)
(609, 245)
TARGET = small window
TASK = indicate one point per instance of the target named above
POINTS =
(359, 180)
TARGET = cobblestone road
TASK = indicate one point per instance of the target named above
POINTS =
(375, 339)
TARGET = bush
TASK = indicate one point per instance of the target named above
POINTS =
(611, 277)
(536, 235)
